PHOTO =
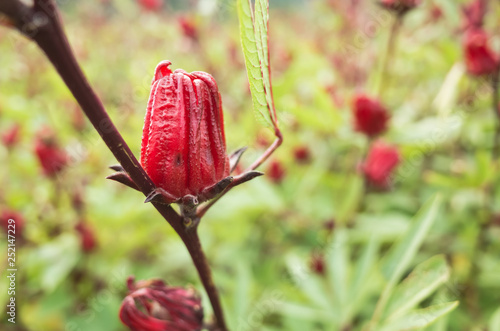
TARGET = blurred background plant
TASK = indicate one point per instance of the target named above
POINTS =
(310, 246)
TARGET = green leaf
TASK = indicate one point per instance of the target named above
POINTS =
(420, 318)
(254, 41)
(360, 277)
(308, 283)
(421, 283)
(402, 254)
(338, 271)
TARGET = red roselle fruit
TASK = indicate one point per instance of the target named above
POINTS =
(52, 158)
(399, 6)
(370, 117)
(189, 28)
(380, 163)
(9, 214)
(87, 237)
(302, 154)
(276, 172)
(11, 137)
(151, 5)
(473, 14)
(154, 306)
(183, 146)
(479, 58)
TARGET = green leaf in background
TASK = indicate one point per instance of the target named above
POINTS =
(494, 324)
(402, 253)
(420, 318)
(254, 40)
(421, 283)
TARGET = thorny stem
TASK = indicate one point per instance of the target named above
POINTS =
(389, 55)
(41, 23)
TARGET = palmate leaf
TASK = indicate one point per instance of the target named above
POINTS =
(255, 43)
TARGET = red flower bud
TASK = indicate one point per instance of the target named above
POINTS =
(370, 117)
(381, 161)
(183, 146)
(276, 172)
(161, 307)
(11, 136)
(399, 6)
(8, 214)
(479, 58)
(473, 14)
(51, 157)
(151, 5)
(317, 264)
(188, 28)
(302, 154)
(87, 236)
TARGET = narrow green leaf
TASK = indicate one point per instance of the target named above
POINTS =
(420, 318)
(262, 38)
(338, 268)
(402, 254)
(254, 41)
(361, 276)
(421, 283)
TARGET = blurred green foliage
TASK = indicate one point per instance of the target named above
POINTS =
(257, 235)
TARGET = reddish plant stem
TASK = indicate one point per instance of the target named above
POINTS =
(41, 24)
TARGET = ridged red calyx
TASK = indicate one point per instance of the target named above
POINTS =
(479, 57)
(183, 146)
(399, 6)
(380, 163)
(370, 116)
(153, 306)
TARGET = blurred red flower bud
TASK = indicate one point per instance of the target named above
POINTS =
(436, 13)
(154, 306)
(302, 154)
(317, 264)
(11, 136)
(370, 117)
(52, 158)
(9, 214)
(151, 5)
(87, 236)
(479, 58)
(399, 6)
(188, 27)
(183, 146)
(381, 161)
(276, 172)
(473, 14)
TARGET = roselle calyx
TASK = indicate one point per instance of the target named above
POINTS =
(183, 146)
